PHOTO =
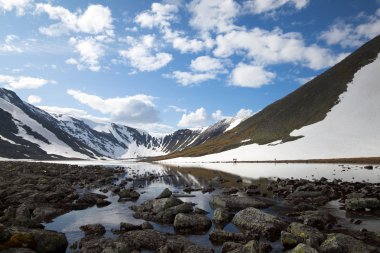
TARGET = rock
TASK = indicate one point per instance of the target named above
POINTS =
(368, 167)
(256, 221)
(303, 248)
(126, 227)
(219, 236)
(218, 180)
(198, 249)
(144, 239)
(18, 250)
(230, 246)
(355, 204)
(93, 229)
(4, 234)
(49, 241)
(236, 203)
(186, 223)
(125, 195)
(163, 204)
(102, 203)
(304, 207)
(229, 191)
(200, 211)
(317, 219)
(251, 247)
(344, 243)
(289, 240)
(265, 247)
(165, 194)
(307, 234)
(175, 244)
(46, 214)
(221, 216)
(146, 225)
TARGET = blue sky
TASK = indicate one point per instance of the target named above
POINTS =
(173, 64)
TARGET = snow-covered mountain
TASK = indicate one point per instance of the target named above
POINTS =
(29, 132)
(336, 115)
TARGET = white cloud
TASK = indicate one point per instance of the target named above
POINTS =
(18, 5)
(23, 82)
(132, 109)
(184, 44)
(33, 99)
(251, 76)
(64, 110)
(189, 78)
(9, 45)
(206, 64)
(143, 55)
(160, 15)
(273, 47)
(177, 109)
(199, 118)
(90, 51)
(96, 19)
(244, 113)
(262, 6)
(213, 15)
(348, 35)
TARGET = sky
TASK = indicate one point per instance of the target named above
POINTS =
(172, 64)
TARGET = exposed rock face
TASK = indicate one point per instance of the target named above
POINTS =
(256, 221)
(191, 223)
(344, 243)
(362, 203)
(236, 203)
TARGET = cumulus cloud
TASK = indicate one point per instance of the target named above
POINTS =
(251, 76)
(143, 55)
(188, 78)
(90, 51)
(349, 35)
(201, 118)
(161, 16)
(19, 6)
(131, 109)
(274, 47)
(213, 15)
(23, 82)
(96, 19)
(33, 99)
(206, 63)
(9, 45)
(262, 6)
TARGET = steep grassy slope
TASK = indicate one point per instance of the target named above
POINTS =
(307, 105)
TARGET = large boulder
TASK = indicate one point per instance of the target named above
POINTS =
(144, 239)
(362, 203)
(93, 229)
(190, 223)
(308, 235)
(317, 219)
(303, 248)
(256, 221)
(236, 203)
(344, 243)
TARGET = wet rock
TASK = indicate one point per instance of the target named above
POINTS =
(312, 193)
(304, 207)
(317, 219)
(221, 216)
(344, 243)
(200, 211)
(250, 247)
(303, 248)
(175, 244)
(103, 245)
(219, 236)
(231, 246)
(146, 225)
(189, 223)
(165, 194)
(46, 214)
(256, 221)
(93, 229)
(18, 250)
(144, 239)
(126, 227)
(355, 204)
(102, 203)
(368, 167)
(4, 234)
(236, 203)
(230, 191)
(289, 240)
(307, 234)
(163, 204)
(198, 249)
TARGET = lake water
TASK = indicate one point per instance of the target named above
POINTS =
(198, 175)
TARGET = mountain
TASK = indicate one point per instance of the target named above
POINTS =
(335, 115)
(29, 132)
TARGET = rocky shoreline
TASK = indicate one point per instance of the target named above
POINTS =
(32, 194)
